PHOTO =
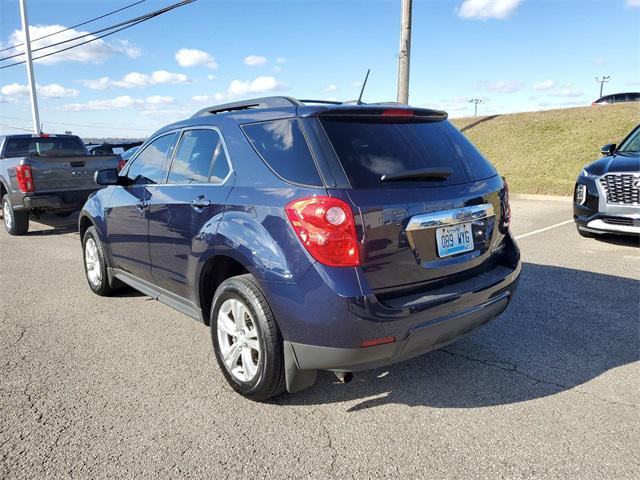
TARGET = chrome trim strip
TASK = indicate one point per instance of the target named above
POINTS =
(598, 226)
(450, 217)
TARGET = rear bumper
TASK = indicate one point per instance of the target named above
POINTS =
(62, 201)
(330, 331)
(421, 339)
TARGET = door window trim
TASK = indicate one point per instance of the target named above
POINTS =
(179, 142)
(145, 145)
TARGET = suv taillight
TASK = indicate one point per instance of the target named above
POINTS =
(24, 177)
(326, 228)
(506, 207)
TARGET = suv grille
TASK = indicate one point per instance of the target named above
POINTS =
(619, 188)
(627, 222)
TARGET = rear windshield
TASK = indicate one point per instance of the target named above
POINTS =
(369, 150)
(44, 146)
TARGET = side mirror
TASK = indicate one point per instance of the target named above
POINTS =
(108, 176)
(608, 149)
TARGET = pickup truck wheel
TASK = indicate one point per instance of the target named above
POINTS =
(246, 339)
(95, 266)
(16, 223)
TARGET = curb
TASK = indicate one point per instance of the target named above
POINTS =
(550, 198)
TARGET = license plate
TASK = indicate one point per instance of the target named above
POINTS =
(454, 239)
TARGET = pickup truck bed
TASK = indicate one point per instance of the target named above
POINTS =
(46, 179)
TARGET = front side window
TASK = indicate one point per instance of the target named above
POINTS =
(200, 158)
(148, 167)
(631, 144)
(282, 146)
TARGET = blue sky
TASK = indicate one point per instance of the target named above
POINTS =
(516, 55)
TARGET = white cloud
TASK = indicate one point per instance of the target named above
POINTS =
(212, 77)
(600, 60)
(119, 103)
(633, 3)
(277, 69)
(503, 87)
(137, 80)
(255, 61)
(53, 90)
(281, 60)
(200, 98)
(485, 9)
(239, 88)
(187, 57)
(94, 52)
(546, 85)
(331, 88)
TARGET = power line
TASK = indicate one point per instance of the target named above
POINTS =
(17, 128)
(81, 124)
(123, 25)
(75, 26)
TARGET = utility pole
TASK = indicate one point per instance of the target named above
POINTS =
(602, 81)
(475, 102)
(405, 51)
(29, 63)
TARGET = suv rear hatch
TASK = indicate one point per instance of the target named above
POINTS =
(430, 204)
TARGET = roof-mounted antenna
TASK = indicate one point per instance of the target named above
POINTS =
(364, 84)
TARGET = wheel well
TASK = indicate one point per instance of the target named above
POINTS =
(3, 191)
(216, 271)
(85, 223)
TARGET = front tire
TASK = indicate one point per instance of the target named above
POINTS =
(95, 266)
(16, 223)
(246, 339)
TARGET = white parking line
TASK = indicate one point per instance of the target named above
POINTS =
(540, 230)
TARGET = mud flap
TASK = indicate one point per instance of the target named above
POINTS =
(296, 378)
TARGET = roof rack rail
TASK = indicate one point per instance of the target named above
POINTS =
(266, 102)
(328, 102)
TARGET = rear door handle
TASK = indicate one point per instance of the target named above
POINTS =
(200, 203)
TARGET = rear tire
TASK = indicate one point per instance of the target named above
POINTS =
(16, 223)
(95, 266)
(586, 234)
(245, 333)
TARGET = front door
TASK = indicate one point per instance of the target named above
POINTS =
(128, 215)
(193, 197)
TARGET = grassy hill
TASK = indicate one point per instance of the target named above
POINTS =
(543, 152)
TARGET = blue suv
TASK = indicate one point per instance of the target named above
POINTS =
(308, 235)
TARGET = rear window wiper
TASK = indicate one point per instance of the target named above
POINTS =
(439, 173)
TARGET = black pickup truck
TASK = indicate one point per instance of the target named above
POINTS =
(46, 174)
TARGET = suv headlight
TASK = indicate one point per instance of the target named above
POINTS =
(586, 174)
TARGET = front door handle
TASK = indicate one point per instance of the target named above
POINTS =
(200, 203)
(142, 206)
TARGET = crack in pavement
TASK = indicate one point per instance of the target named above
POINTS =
(514, 369)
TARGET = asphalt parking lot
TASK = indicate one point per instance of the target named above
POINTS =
(125, 387)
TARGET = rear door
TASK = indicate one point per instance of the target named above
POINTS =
(428, 201)
(128, 213)
(193, 197)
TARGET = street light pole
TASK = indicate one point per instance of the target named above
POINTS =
(475, 102)
(602, 81)
(405, 51)
(29, 63)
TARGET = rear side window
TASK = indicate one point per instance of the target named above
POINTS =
(282, 146)
(44, 146)
(148, 167)
(199, 152)
(370, 149)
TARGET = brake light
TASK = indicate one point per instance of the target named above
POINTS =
(121, 163)
(506, 206)
(398, 112)
(377, 341)
(326, 228)
(24, 177)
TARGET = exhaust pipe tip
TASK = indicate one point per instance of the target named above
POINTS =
(344, 377)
